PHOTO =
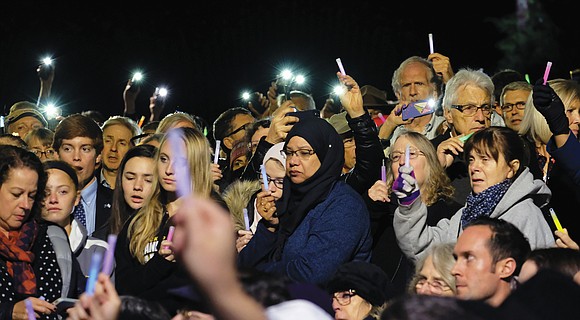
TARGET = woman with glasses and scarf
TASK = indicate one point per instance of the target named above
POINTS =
(501, 187)
(315, 213)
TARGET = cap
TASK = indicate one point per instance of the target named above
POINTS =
(368, 280)
(19, 111)
(373, 97)
(339, 122)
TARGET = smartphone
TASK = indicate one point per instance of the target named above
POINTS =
(305, 114)
(418, 109)
(62, 304)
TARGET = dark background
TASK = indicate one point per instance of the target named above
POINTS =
(207, 53)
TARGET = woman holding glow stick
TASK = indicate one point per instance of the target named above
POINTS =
(315, 210)
(247, 194)
(501, 187)
(32, 263)
(146, 264)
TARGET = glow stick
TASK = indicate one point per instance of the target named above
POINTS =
(264, 177)
(110, 254)
(547, 72)
(382, 117)
(340, 67)
(246, 219)
(556, 221)
(141, 121)
(431, 50)
(29, 309)
(216, 155)
(407, 155)
(93, 273)
(464, 138)
(528, 78)
(183, 181)
(384, 172)
(170, 235)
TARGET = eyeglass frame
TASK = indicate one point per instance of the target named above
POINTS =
(278, 182)
(511, 106)
(39, 153)
(303, 157)
(413, 154)
(438, 286)
(348, 293)
(461, 108)
(243, 127)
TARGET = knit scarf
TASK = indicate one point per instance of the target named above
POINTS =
(483, 204)
(16, 252)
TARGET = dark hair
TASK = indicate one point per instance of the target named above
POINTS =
(78, 125)
(563, 260)
(501, 78)
(12, 157)
(266, 288)
(134, 308)
(419, 306)
(507, 241)
(494, 141)
(264, 123)
(223, 124)
(64, 167)
(12, 140)
(120, 211)
(151, 126)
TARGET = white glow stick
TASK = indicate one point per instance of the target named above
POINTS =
(431, 50)
(216, 155)
(547, 72)
(340, 67)
(407, 155)
(246, 219)
(264, 177)
(110, 254)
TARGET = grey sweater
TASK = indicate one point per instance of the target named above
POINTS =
(520, 205)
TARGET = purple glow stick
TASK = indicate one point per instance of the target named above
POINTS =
(246, 219)
(407, 155)
(110, 254)
(382, 117)
(216, 155)
(431, 50)
(183, 181)
(93, 273)
(264, 177)
(340, 67)
(547, 72)
(170, 235)
(384, 172)
(29, 310)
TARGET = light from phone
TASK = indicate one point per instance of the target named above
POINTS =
(47, 61)
(52, 111)
(137, 76)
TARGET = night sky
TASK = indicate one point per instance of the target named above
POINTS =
(208, 53)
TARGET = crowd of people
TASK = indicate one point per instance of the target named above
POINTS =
(283, 209)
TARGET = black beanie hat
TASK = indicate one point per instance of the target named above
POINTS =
(368, 280)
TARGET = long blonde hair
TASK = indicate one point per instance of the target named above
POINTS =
(437, 185)
(147, 220)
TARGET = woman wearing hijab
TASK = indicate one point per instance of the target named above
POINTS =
(316, 212)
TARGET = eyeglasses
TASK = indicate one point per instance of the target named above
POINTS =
(413, 154)
(237, 130)
(343, 297)
(437, 286)
(471, 109)
(47, 153)
(278, 182)
(508, 107)
(302, 154)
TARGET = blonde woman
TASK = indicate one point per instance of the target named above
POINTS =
(145, 262)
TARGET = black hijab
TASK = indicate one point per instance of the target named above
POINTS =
(298, 199)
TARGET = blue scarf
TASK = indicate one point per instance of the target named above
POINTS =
(482, 204)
